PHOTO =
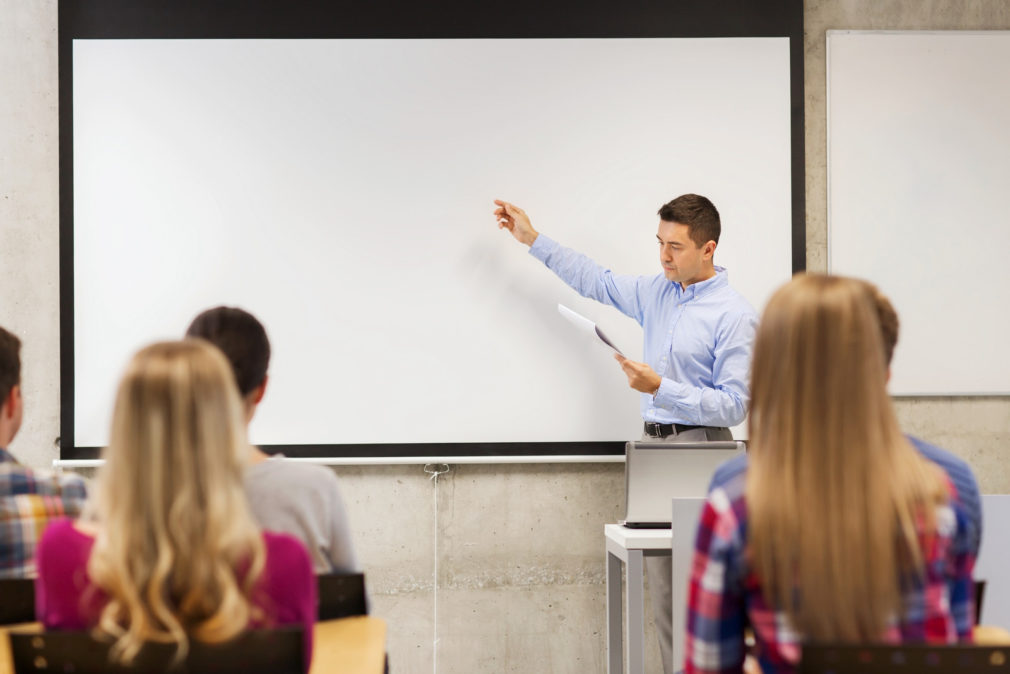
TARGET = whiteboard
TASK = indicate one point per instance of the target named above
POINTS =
(918, 178)
(341, 190)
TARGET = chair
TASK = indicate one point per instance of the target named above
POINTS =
(917, 658)
(277, 651)
(341, 595)
(18, 603)
(979, 595)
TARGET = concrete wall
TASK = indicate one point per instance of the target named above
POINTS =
(519, 549)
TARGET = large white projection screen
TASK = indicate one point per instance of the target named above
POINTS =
(341, 190)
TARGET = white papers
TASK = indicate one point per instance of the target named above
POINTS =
(586, 326)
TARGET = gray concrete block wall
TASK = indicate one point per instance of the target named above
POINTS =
(520, 562)
(520, 550)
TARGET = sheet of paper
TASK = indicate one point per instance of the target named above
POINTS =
(586, 326)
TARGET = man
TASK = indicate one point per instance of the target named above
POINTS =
(29, 499)
(957, 469)
(698, 332)
(295, 498)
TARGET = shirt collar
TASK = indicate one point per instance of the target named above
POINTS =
(702, 288)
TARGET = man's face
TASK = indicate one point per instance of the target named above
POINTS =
(683, 261)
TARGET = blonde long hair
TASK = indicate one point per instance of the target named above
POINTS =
(177, 552)
(836, 496)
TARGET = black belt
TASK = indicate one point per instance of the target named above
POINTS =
(662, 430)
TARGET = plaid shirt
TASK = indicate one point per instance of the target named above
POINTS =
(29, 500)
(725, 593)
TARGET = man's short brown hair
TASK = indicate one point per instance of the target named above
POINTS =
(10, 363)
(888, 319)
(698, 213)
(241, 337)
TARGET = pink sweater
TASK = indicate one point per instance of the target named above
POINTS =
(62, 600)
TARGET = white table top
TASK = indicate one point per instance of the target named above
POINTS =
(638, 539)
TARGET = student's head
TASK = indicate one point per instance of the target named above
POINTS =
(819, 341)
(688, 235)
(244, 342)
(170, 503)
(886, 316)
(828, 461)
(10, 387)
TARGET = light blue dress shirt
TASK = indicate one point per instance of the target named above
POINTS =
(699, 340)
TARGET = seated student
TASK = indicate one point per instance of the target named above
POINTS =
(969, 499)
(835, 529)
(957, 469)
(174, 553)
(29, 499)
(297, 498)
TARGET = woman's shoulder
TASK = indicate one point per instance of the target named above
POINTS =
(62, 533)
(289, 579)
(58, 528)
(286, 550)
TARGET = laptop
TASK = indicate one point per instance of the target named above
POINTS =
(656, 472)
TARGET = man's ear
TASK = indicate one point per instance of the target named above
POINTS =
(10, 405)
(252, 400)
(256, 395)
(709, 250)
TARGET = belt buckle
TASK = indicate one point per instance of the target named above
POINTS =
(654, 429)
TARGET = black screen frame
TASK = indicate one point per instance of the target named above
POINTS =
(404, 19)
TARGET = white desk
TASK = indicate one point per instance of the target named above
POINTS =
(631, 546)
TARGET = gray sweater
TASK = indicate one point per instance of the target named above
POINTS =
(303, 500)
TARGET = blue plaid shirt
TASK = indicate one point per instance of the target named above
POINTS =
(29, 500)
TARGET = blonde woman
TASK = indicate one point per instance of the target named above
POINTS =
(174, 554)
(832, 528)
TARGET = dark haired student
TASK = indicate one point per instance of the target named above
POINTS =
(29, 499)
(296, 498)
(698, 333)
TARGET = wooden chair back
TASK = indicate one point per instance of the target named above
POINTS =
(887, 659)
(17, 601)
(277, 651)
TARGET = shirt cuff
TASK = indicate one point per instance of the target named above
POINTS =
(669, 394)
(543, 247)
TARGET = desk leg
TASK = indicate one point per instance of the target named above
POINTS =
(635, 613)
(615, 621)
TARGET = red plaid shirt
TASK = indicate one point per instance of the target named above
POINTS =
(725, 593)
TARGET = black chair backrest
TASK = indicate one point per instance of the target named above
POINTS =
(341, 595)
(917, 658)
(979, 594)
(278, 651)
(17, 601)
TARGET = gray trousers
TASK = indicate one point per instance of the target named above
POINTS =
(659, 570)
